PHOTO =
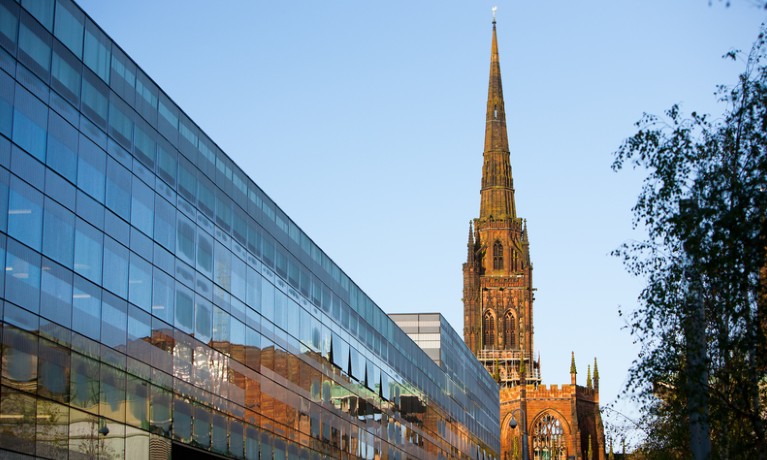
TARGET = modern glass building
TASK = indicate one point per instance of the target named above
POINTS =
(155, 302)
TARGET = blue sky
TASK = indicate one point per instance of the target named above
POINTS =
(365, 120)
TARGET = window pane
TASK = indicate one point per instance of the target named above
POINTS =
(56, 298)
(114, 321)
(35, 48)
(58, 233)
(95, 103)
(140, 282)
(69, 27)
(42, 10)
(25, 214)
(118, 189)
(86, 308)
(203, 319)
(165, 223)
(66, 75)
(185, 239)
(142, 208)
(116, 258)
(166, 162)
(22, 276)
(88, 251)
(91, 168)
(9, 25)
(162, 296)
(62, 147)
(96, 53)
(223, 267)
(30, 119)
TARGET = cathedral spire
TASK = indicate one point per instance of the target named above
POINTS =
(497, 195)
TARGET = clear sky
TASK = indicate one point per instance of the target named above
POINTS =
(364, 121)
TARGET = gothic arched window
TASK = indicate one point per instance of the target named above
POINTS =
(488, 329)
(509, 328)
(497, 255)
(549, 439)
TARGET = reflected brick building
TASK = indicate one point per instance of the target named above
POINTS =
(156, 303)
(558, 422)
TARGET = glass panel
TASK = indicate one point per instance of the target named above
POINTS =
(166, 162)
(223, 267)
(96, 53)
(88, 251)
(185, 239)
(42, 10)
(160, 411)
(145, 145)
(137, 413)
(165, 223)
(116, 260)
(95, 102)
(140, 282)
(62, 147)
(84, 382)
(91, 168)
(114, 321)
(118, 189)
(112, 393)
(69, 27)
(30, 119)
(184, 308)
(52, 429)
(18, 421)
(86, 308)
(35, 47)
(203, 319)
(22, 276)
(56, 295)
(142, 207)
(205, 253)
(9, 25)
(25, 214)
(162, 297)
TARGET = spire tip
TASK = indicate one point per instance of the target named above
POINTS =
(494, 8)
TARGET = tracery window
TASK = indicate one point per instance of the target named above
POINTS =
(509, 327)
(497, 255)
(488, 329)
(549, 439)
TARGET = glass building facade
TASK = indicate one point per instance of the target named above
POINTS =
(156, 303)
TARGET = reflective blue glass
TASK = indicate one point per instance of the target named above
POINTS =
(88, 251)
(22, 276)
(142, 207)
(118, 189)
(66, 75)
(56, 293)
(163, 288)
(30, 119)
(140, 282)
(184, 308)
(222, 273)
(25, 214)
(114, 321)
(203, 313)
(62, 147)
(58, 233)
(185, 240)
(9, 25)
(69, 27)
(42, 10)
(96, 51)
(91, 168)
(165, 223)
(6, 102)
(34, 47)
(86, 308)
(116, 259)
(205, 253)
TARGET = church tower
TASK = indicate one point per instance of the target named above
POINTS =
(558, 422)
(498, 275)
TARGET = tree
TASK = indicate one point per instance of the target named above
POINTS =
(702, 315)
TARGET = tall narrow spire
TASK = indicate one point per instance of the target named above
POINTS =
(497, 195)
